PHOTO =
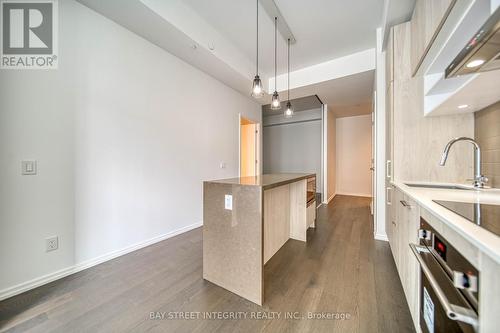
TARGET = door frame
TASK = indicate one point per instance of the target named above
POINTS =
(372, 158)
(258, 140)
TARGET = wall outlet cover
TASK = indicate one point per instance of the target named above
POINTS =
(51, 244)
(228, 202)
(28, 167)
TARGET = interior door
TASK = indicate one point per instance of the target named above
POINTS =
(247, 150)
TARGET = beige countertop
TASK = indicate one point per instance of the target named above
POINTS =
(486, 241)
(265, 181)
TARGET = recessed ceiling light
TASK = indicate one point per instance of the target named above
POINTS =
(463, 106)
(474, 63)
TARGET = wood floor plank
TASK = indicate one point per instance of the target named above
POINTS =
(341, 269)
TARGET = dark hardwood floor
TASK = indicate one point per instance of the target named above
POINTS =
(341, 270)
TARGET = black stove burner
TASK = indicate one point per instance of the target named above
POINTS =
(485, 216)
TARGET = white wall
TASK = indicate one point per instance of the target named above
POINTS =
(331, 160)
(294, 145)
(124, 134)
(354, 155)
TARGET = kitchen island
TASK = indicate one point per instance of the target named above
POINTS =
(246, 220)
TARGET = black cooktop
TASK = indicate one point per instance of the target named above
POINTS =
(485, 216)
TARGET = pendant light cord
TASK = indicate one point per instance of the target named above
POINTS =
(275, 46)
(288, 70)
(257, 73)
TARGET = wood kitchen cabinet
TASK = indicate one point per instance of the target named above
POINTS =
(427, 19)
(403, 231)
(389, 59)
(389, 210)
(415, 142)
(396, 215)
(389, 74)
(408, 263)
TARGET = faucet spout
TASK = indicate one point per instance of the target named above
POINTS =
(479, 179)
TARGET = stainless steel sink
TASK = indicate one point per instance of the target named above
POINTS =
(441, 186)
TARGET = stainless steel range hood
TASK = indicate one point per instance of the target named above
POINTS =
(482, 52)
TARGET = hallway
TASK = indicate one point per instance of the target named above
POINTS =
(342, 272)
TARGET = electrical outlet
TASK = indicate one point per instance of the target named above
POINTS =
(51, 244)
(28, 168)
(228, 202)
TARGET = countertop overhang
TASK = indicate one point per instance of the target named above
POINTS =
(265, 181)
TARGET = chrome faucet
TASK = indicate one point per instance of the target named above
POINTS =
(479, 179)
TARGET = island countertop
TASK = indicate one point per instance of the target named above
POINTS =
(266, 181)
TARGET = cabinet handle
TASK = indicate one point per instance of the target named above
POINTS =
(388, 195)
(388, 169)
(406, 204)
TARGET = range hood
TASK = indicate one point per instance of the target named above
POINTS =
(482, 52)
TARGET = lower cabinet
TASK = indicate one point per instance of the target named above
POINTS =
(404, 225)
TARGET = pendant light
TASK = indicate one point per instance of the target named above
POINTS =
(275, 101)
(289, 110)
(257, 90)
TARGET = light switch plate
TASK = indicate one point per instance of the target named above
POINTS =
(228, 202)
(28, 167)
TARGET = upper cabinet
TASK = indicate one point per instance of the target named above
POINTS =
(427, 20)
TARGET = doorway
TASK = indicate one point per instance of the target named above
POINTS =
(295, 144)
(249, 147)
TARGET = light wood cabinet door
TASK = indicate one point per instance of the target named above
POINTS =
(426, 22)
(389, 108)
(389, 104)
(389, 111)
(403, 217)
(389, 59)
(407, 224)
(412, 266)
(418, 141)
(389, 193)
(397, 216)
(389, 131)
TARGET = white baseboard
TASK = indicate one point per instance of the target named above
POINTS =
(355, 194)
(39, 281)
(382, 237)
(326, 202)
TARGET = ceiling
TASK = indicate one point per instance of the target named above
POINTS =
(333, 56)
(346, 96)
(324, 29)
(347, 90)
(299, 104)
(328, 29)
(396, 12)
